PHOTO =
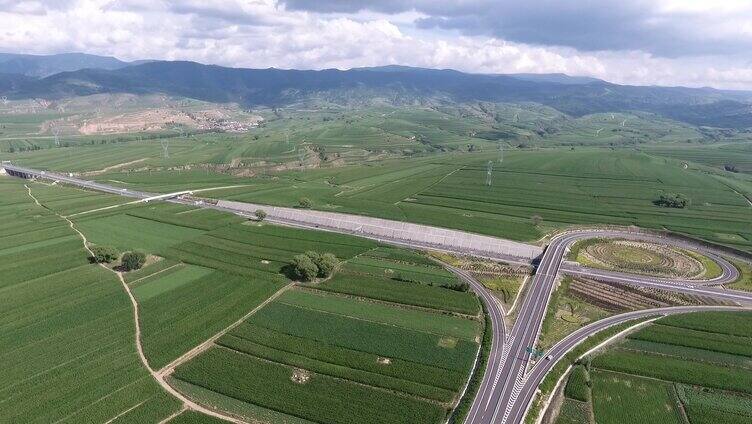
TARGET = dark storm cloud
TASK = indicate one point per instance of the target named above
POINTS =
(586, 25)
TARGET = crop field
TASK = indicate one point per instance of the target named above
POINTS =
(562, 187)
(309, 341)
(215, 269)
(118, 231)
(619, 398)
(180, 311)
(736, 154)
(698, 363)
(78, 312)
(381, 281)
(325, 347)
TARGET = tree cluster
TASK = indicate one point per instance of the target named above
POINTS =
(104, 254)
(672, 200)
(133, 260)
(312, 265)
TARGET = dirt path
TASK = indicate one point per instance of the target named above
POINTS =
(187, 403)
(169, 368)
(111, 168)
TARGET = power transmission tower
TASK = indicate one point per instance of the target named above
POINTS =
(165, 147)
(56, 132)
(489, 173)
(301, 155)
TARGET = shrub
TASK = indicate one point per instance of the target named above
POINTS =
(304, 268)
(672, 200)
(260, 214)
(104, 254)
(133, 260)
(305, 203)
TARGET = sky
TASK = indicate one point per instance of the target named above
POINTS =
(646, 42)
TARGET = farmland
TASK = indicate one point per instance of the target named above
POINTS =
(407, 338)
(695, 366)
(67, 327)
(557, 187)
(329, 349)
(358, 160)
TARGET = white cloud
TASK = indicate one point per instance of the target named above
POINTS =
(260, 33)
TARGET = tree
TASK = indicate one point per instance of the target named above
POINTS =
(260, 214)
(304, 268)
(536, 220)
(104, 254)
(326, 263)
(305, 203)
(133, 260)
(672, 200)
(730, 167)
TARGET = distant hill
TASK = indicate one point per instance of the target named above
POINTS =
(396, 85)
(556, 78)
(41, 66)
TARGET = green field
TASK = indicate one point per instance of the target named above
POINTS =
(211, 270)
(359, 349)
(67, 327)
(696, 364)
(562, 187)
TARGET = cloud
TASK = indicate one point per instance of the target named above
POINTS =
(668, 28)
(327, 34)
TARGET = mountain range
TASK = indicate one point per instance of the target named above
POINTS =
(24, 76)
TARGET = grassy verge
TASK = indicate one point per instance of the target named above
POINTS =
(744, 282)
(463, 407)
(507, 287)
(712, 269)
(566, 314)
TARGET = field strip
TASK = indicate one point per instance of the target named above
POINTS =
(102, 209)
(101, 399)
(125, 412)
(358, 383)
(159, 378)
(365, 299)
(175, 414)
(170, 368)
(158, 272)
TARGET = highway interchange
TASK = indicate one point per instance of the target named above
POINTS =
(512, 376)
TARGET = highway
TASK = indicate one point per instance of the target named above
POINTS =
(511, 377)
(505, 404)
(496, 314)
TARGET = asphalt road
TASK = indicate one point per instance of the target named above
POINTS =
(496, 313)
(511, 378)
